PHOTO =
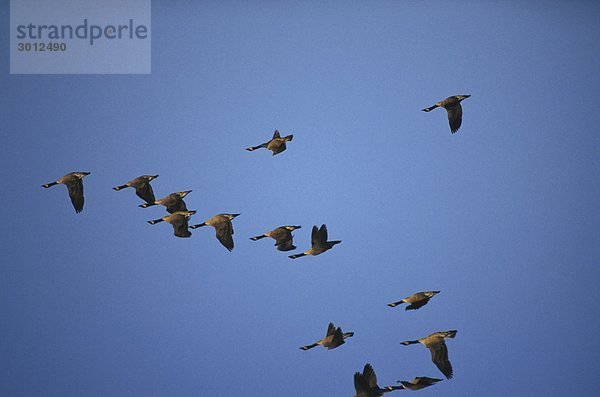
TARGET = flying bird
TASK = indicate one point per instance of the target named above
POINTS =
(416, 300)
(365, 384)
(174, 202)
(452, 106)
(335, 337)
(282, 236)
(223, 228)
(179, 221)
(439, 352)
(276, 144)
(142, 187)
(418, 383)
(319, 243)
(74, 183)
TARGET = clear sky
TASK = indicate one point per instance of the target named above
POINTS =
(502, 217)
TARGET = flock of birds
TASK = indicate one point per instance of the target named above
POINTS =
(178, 216)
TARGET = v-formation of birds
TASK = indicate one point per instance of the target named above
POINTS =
(178, 216)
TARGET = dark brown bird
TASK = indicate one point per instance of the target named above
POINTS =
(223, 228)
(365, 384)
(179, 221)
(276, 144)
(416, 300)
(439, 352)
(74, 183)
(142, 187)
(174, 202)
(334, 338)
(282, 236)
(319, 243)
(452, 106)
(418, 383)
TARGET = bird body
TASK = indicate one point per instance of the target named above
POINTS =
(420, 382)
(334, 338)
(454, 109)
(282, 236)
(174, 202)
(416, 300)
(74, 184)
(142, 187)
(319, 243)
(276, 144)
(223, 227)
(179, 221)
(439, 352)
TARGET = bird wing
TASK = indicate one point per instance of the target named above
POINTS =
(180, 225)
(370, 376)
(145, 192)
(361, 385)
(439, 356)
(176, 205)
(330, 329)
(338, 338)
(276, 134)
(314, 236)
(455, 117)
(417, 304)
(225, 234)
(285, 245)
(76, 193)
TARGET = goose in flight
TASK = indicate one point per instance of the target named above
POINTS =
(276, 144)
(174, 202)
(334, 338)
(416, 300)
(439, 352)
(74, 183)
(179, 221)
(282, 236)
(223, 228)
(452, 106)
(319, 243)
(142, 187)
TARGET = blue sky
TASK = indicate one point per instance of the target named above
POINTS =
(501, 217)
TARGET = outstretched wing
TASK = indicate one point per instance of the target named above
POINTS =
(330, 329)
(176, 205)
(276, 134)
(418, 304)
(455, 117)
(145, 192)
(225, 234)
(180, 226)
(439, 356)
(76, 194)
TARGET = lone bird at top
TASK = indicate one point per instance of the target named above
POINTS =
(334, 338)
(174, 202)
(142, 187)
(74, 183)
(452, 106)
(416, 300)
(439, 352)
(223, 228)
(282, 236)
(276, 144)
(319, 243)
